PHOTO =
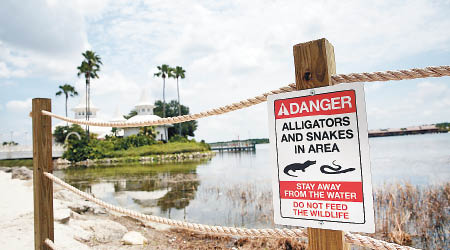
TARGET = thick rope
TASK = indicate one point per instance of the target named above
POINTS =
(50, 244)
(437, 71)
(356, 239)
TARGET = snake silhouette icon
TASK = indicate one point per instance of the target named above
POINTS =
(326, 169)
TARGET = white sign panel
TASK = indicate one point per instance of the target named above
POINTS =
(320, 157)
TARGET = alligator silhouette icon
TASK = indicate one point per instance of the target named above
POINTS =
(298, 166)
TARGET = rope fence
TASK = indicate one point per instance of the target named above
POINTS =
(437, 71)
(355, 239)
(50, 244)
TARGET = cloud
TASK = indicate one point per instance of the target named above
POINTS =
(429, 91)
(424, 102)
(41, 38)
(6, 72)
(114, 89)
(19, 105)
(38, 26)
(236, 50)
(231, 50)
(374, 87)
(7, 83)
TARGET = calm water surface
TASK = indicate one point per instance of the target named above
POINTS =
(234, 189)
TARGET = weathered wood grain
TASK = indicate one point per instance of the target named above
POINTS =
(314, 66)
(42, 162)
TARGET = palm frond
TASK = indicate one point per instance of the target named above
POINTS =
(67, 89)
(179, 72)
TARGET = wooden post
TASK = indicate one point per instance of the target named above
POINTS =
(314, 65)
(42, 162)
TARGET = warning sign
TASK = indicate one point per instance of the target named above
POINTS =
(320, 150)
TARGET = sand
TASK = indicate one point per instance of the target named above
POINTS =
(97, 229)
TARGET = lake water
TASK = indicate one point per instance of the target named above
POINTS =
(234, 189)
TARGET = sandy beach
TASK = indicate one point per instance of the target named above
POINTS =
(80, 224)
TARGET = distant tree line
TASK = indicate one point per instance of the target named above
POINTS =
(10, 143)
(443, 126)
(260, 140)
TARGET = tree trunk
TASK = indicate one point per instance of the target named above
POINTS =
(164, 107)
(87, 104)
(86, 95)
(67, 97)
(179, 108)
(164, 97)
(89, 101)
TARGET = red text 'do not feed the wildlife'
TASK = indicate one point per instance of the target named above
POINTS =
(320, 157)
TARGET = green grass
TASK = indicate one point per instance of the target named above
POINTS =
(160, 149)
(16, 163)
(132, 154)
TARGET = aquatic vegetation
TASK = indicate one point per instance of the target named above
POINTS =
(16, 163)
(410, 215)
(413, 215)
(156, 149)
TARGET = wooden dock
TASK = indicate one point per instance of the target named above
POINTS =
(246, 145)
(26, 152)
(427, 129)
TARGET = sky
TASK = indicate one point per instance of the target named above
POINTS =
(231, 50)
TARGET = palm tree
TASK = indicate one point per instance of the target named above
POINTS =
(68, 90)
(164, 71)
(179, 73)
(89, 67)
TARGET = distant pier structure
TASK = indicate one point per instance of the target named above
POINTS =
(26, 152)
(245, 145)
(426, 129)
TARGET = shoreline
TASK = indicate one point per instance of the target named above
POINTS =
(80, 224)
(60, 163)
(154, 159)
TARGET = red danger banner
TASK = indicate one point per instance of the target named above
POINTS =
(322, 190)
(325, 104)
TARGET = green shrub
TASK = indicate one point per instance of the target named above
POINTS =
(178, 138)
(61, 132)
(132, 146)
(167, 148)
(77, 150)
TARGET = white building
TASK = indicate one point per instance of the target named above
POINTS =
(144, 110)
(80, 114)
(118, 118)
(144, 113)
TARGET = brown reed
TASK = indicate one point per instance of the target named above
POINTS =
(417, 216)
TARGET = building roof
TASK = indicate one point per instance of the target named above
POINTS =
(100, 131)
(117, 116)
(141, 118)
(82, 105)
(144, 101)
